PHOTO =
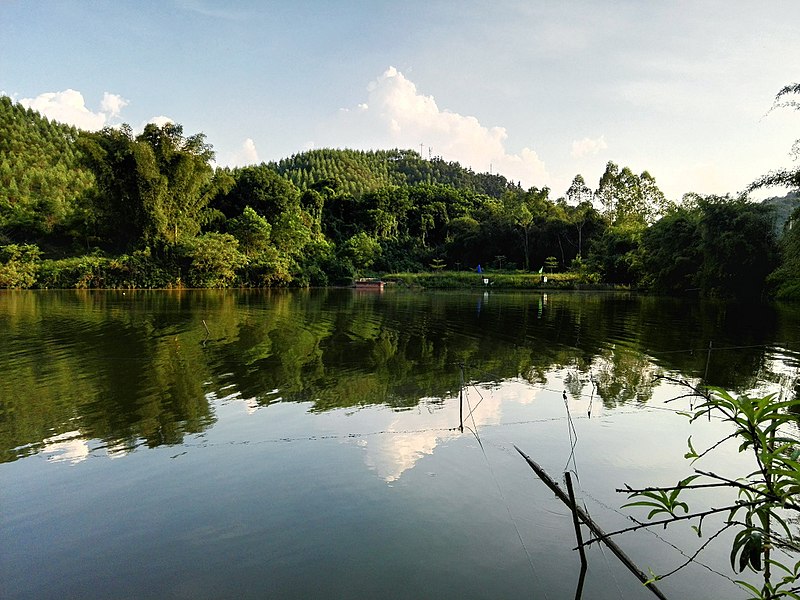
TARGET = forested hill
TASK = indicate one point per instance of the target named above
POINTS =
(40, 175)
(783, 208)
(43, 180)
(356, 172)
(116, 208)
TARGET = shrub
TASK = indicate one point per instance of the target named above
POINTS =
(214, 260)
(18, 265)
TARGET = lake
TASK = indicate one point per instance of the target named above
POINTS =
(357, 444)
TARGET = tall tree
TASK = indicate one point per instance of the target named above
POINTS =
(608, 191)
(527, 211)
(151, 188)
(184, 178)
(578, 191)
(579, 217)
(628, 198)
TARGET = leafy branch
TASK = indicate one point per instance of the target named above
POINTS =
(765, 495)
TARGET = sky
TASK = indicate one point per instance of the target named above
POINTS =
(535, 90)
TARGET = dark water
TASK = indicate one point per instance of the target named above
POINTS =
(307, 444)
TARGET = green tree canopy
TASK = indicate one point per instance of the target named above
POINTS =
(152, 188)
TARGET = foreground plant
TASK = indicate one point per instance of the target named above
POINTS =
(766, 498)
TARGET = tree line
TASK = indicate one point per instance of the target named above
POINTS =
(118, 209)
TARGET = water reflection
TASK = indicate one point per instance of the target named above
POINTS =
(66, 447)
(149, 368)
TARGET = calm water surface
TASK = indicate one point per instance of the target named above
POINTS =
(308, 444)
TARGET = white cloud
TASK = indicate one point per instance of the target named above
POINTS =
(160, 121)
(247, 154)
(69, 107)
(588, 147)
(397, 115)
(112, 104)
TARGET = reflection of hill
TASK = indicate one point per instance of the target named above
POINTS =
(106, 363)
(141, 368)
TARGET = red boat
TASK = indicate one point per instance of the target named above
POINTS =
(368, 284)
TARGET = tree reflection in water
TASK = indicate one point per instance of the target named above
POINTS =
(147, 368)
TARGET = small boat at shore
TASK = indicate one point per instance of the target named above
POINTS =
(368, 283)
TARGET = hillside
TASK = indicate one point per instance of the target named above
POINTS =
(783, 207)
(357, 172)
(40, 176)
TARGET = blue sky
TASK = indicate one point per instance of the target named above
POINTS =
(538, 91)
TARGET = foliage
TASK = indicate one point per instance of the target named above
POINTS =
(152, 188)
(77, 272)
(18, 265)
(214, 260)
(717, 246)
(787, 97)
(444, 279)
(356, 172)
(738, 247)
(260, 188)
(137, 270)
(628, 198)
(786, 277)
(253, 232)
(616, 254)
(322, 216)
(671, 255)
(268, 269)
(361, 250)
(41, 181)
(766, 497)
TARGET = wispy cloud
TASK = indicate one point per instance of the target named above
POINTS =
(588, 147)
(215, 12)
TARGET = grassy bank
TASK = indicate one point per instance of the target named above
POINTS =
(496, 280)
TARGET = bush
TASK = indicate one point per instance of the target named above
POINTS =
(18, 265)
(214, 260)
(77, 272)
(268, 269)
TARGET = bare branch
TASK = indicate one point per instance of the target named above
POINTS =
(717, 445)
(629, 490)
(699, 550)
(699, 515)
(769, 495)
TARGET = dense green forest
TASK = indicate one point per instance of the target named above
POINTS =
(118, 209)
